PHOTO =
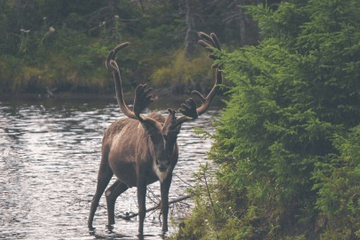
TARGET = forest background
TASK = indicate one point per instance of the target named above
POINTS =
(62, 45)
(287, 144)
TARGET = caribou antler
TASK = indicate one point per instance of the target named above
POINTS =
(142, 99)
(142, 93)
(188, 109)
(209, 42)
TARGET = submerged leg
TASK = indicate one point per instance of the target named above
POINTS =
(104, 176)
(111, 195)
(165, 186)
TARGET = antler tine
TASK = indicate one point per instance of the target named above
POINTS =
(188, 109)
(206, 101)
(209, 42)
(204, 36)
(142, 96)
(112, 54)
(215, 40)
(142, 99)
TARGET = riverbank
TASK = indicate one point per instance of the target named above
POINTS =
(163, 99)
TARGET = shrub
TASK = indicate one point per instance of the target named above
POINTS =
(288, 143)
(338, 186)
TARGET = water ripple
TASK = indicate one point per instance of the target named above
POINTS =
(49, 158)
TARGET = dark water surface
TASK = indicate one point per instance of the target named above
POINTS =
(49, 158)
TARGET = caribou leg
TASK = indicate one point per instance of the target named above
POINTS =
(111, 194)
(165, 186)
(141, 194)
(104, 176)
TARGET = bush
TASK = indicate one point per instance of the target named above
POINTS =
(288, 143)
(338, 186)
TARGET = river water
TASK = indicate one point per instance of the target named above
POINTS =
(49, 158)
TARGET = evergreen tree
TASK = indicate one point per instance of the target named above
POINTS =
(288, 143)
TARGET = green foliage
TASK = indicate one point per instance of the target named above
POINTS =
(338, 186)
(9, 66)
(213, 216)
(64, 44)
(288, 143)
(74, 36)
(182, 72)
(80, 67)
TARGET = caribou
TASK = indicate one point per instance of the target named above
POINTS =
(141, 149)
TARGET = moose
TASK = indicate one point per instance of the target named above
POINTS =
(141, 149)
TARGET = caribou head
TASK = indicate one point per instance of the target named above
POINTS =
(141, 149)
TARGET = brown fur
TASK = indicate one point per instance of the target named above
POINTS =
(128, 152)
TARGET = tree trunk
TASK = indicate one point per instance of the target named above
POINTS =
(190, 40)
(242, 26)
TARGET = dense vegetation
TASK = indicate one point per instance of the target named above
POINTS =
(62, 44)
(288, 143)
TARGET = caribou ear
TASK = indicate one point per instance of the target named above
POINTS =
(152, 127)
(176, 130)
(174, 127)
(171, 128)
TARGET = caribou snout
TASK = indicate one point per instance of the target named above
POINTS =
(163, 168)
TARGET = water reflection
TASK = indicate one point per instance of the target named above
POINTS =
(49, 158)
